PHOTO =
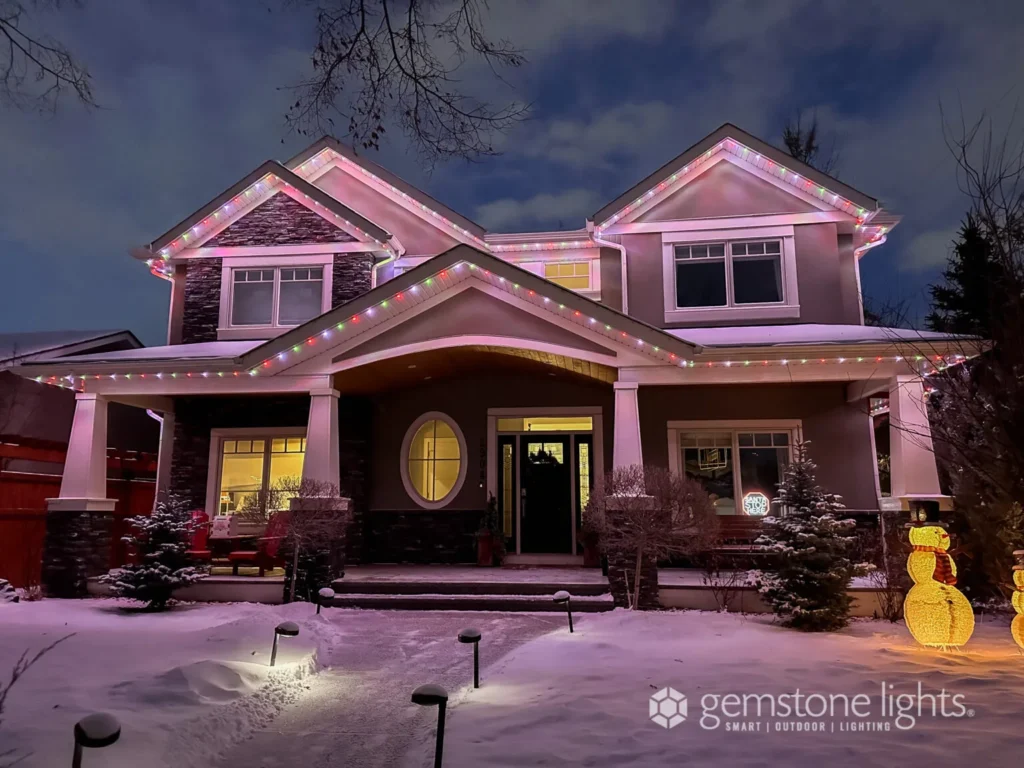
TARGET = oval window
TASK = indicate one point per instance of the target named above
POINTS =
(433, 465)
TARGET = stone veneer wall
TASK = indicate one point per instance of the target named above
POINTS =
(194, 417)
(201, 311)
(352, 272)
(424, 536)
(355, 433)
(280, 221)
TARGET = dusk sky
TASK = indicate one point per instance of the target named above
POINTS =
(191, 102)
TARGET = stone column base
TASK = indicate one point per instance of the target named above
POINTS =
(77, 544)
(622, 566)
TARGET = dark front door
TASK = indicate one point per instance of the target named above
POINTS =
(545, 490)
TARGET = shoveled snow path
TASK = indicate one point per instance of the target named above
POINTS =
(357, 712)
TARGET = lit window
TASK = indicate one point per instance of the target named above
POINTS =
(712, 458)
(574, 275)
(435, 460)
(712, 275)
(258, 465)
(283, 296)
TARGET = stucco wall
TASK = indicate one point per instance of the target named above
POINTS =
(839, 432)
(725, 190)
(473, 312)
(611, 278)
(417, 235)
(823, 290)
(466, 401)
(825, 279)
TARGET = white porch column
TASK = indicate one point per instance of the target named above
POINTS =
(322, 455)
(163, 458)
(626, 447)
(83, 486)
(912, 457)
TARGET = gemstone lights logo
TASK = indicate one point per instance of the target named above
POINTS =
(667, 708)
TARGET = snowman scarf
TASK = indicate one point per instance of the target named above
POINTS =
(943, 564)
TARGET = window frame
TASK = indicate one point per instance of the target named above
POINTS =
(788, 307)
(676, 429)
(403, 461)
(537, 264)
(228, 330)
(216, 459)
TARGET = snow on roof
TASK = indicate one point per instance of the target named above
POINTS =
(810, 333)
(21, 346)
(208, 350)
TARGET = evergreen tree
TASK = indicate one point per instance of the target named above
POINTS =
(160, 541)
(964, 301)
(810, 569)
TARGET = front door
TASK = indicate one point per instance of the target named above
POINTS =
(545, 493)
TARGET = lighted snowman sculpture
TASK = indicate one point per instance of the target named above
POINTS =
(937, 613)
(1017, 626)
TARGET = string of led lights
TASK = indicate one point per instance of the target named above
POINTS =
(287, 357)
(307, 169)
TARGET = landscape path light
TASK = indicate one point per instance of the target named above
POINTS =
(472, 635)
(326, 596)
(286, 628)
(564, 597)
(94, 732)
(430, 695)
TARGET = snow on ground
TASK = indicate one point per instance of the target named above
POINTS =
(474, 574)
(583, 699)
(185, 684)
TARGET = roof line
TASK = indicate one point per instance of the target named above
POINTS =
(329, 142)
(478, 259)
(286, 175)
(730, 131)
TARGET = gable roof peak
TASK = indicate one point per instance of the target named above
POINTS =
(742, 147)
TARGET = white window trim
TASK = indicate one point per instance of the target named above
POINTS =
(675, 428)
(403, 460)
(226, 331)
(789, 307)
(216, 459)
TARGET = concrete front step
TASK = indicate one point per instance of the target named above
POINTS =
(504, 588)
(471, 602)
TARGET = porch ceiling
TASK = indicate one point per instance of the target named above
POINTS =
(413, 369)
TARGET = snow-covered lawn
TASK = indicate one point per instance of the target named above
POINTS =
(583, 699)
(184, 684)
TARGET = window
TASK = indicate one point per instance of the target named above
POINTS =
(714, 275)
(700, 276)
(433, 460)
(734, 464)
(574, 275)
(252, 466)
(546, 424)
(757, 272)
(284, 296)
(301, 295)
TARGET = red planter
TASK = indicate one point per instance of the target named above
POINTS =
(484, 549)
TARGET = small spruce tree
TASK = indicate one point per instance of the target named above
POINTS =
(160, 541)
(809, 548)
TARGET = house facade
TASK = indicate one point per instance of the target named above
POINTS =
(329, 320)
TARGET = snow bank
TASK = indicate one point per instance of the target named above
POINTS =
(583, 699)
(185, 684)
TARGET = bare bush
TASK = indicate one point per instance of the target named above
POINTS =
(652, 514)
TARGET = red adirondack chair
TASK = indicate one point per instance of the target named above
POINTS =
(199, 547)
(265, 555)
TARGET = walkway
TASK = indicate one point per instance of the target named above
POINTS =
(358, 713)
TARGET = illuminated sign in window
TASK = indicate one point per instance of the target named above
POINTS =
(756, 503)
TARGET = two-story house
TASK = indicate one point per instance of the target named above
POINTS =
(329, 320)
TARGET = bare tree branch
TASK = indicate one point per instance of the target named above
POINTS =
(394, 62)
(36, 70)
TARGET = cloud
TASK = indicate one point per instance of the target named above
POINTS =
(566, 210)
(928, 250)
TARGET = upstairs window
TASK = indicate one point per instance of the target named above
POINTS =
(284, 296)
(574, 275)
(728, 274)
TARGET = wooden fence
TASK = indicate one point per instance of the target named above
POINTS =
(23, 520)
